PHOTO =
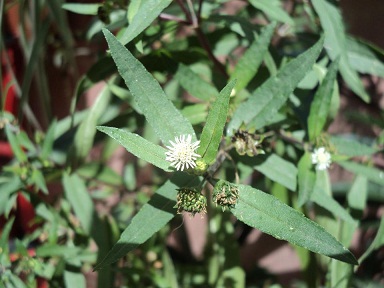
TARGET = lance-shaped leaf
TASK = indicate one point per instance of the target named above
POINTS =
(268, 214)
(376, 243)
(196, 86)
(161, 114)
(148, 11)
(213, 129)
(321, 103)
(373, 174)
(77, 194)
(151, 218)
(349, 146)
(265, 102)
(82, 8)
(336, 44)
(138, 146)
(273, 10)
(306, 178)
(250, 62)
(362, 58)
(277, 169)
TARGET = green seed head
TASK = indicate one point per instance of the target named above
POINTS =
(190, 200)
(225, 194)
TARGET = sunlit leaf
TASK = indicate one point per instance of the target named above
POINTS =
(151, 218)
(162, 115)
(336, 44)
(265, 102)
(139, 146)
(148, 11)
(213, 128)
(266, 213)
(321, 103)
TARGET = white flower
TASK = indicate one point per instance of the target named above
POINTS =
(321, 158)
(182, 152)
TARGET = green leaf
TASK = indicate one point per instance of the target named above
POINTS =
(148, 11)
(101, 172)
(322, 196)
(336, 44)
(4, 241)
(151, 218)
(46, 149)
(376, 243)
(362, 58)
(7, 188)
(38, 179)
(357, 195)
(265, 102)
(82, 8)
(139, 146)
(15, 145)
(321, 103)
(196, 113)
(74, 279)
(213, 128)
(273, 10)
(349, 146)
(249, 63)
(196, 86)
(86, 132)
(266, 213)
(162, 115)
(373, 174)
(80, 200)
(306, 178)
(277, 169)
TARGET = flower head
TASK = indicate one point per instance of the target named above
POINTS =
(321, 158)
(182, 152)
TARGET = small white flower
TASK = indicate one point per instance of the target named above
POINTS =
(321, 158)
(182, 152)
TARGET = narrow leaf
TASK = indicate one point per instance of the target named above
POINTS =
(249, 63)
(265, 102)
(266, 213)
(373, 174)
(139, 146)
(148, 11)
(162, 115)
(349, 146)
(46, 150)
(82, 8)
(277, 169)
(74, 279)
(336, 44)
(306, 178)
(80, 200)
(213, 129)
(327, 202)
(15, 145)
(151, 218)
(321, 103)
(273, 10)
(363, 59)
(196, 113)
(376, 243)
(357, 195)
(196, 86)
(7, 188)
(86, 132)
